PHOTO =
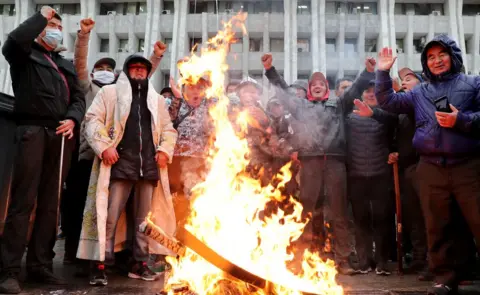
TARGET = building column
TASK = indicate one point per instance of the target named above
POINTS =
(112, 38)
(451, 10)
(3, 62)
(266, 40)
(431, 27)
(341, 45)
(392, 33)
(132, 38)
(286, 43)
(476, 47)
(204, 28)
(173, 53)
(322, 39)
(293, 43)
(408, 41)
(361, 40)
(383, 37)
(180, 36)
(461, 34)
(152, 35)
(315, 46)
(245, 54)
(67, 39)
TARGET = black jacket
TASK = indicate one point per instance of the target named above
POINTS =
(324, 120)
(370, 140)
(41, 97)
(136, 149)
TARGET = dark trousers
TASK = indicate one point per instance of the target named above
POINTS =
(73, 203)
(322, 177)
(413, 221)
(440, 188)
(372, 210)
(35, 178)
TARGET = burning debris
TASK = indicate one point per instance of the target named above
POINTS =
(229, 244)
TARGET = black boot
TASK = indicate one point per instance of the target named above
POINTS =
(9, 284)
(44, 275)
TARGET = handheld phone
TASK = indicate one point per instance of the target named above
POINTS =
(442, 104)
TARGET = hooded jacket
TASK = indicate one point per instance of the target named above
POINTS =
(435, 144)
(324, 120)
(136, 149)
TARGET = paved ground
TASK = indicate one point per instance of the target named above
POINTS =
(356, 285)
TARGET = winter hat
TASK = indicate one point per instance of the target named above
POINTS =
(317, 76)
(300, 84)
(249, 81)
(402, 73)
(105, 61)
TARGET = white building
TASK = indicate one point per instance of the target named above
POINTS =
(303, 35)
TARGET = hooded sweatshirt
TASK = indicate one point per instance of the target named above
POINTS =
(136, 149)
(325, 119)
(435, 144)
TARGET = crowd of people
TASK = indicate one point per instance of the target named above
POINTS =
(129, 150)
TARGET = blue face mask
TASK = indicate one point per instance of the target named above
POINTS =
(53, 37)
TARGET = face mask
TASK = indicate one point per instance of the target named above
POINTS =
(104, 77)
(53, 37)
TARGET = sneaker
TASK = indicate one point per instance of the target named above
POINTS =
(382, 270)
(344, 268)
(45, 275)
(10, 285)
(440, 289)
(97, 275)
(160, 265)
(61, 236)
(140, 271)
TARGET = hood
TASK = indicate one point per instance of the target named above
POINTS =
(137, 58)
(321, 77)
(452, 49)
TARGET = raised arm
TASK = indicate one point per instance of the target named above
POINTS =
(20, 40)
(80, 56)
(360, 84)
(399, 103)
(159, 49)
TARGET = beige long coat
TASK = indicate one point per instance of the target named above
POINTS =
(104, 126)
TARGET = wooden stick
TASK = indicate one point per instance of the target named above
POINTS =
(398, 205)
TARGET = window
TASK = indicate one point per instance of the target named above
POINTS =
(419, 44)
(72, 9)
(266, 6)
(166, 80)
(256, 45)
(277, 45)
(331, 45)
(142, 7)
(400, 48)
(105, 8)
(400, 8)
(331, 81)
(123, 45)
(104, 45)
(427, 9)
(303, 77)
(350, 47)
(303, 7)
(228, 5)
(303, 45)
(197, 42)
(134, 8)
(168, 42)
(277, 7)
(197, 7)
(141, 45)
(7, 9)
(235, 76)
(471, 9)
(168, 7)
(370, 45)
(355, 8)
(468, 49)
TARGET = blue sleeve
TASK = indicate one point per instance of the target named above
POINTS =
(470, 123)
(398, 103)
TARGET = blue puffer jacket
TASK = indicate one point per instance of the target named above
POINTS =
(435, 144)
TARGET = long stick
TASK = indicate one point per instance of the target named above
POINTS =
(398, 205)
(60, 182)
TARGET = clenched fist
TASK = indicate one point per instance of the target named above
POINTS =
(267, 60)
(47, 12)
(86, 25)
(159, 48)
(370, 63)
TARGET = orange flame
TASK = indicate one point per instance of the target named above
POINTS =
(227, 207)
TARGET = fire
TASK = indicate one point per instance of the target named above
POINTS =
(228, 207)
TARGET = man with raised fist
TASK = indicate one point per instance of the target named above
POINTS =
(49, 104)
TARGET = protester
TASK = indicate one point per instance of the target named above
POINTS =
(189, 113)
(371, 140)
(449, 163)
(323, 152)
(129, 129)
(341, 85)
(167, 94)
(232, 87)
(49, 104)
(77, 181)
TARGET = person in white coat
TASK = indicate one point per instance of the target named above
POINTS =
(129, 128)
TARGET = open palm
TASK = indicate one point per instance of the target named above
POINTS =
(386, 59)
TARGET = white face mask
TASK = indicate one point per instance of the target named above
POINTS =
(53, 37)
(104, 77)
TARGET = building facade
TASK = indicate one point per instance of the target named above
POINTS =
(303, 35)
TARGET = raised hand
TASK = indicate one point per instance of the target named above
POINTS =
(159, 48)
(386, 59)
(86, 25)
(47, 12)
(267, 60)
(176, 92)
(363, 110)
(370, 63)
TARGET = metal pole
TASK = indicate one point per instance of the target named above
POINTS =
(60, 182)
(398, 203)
